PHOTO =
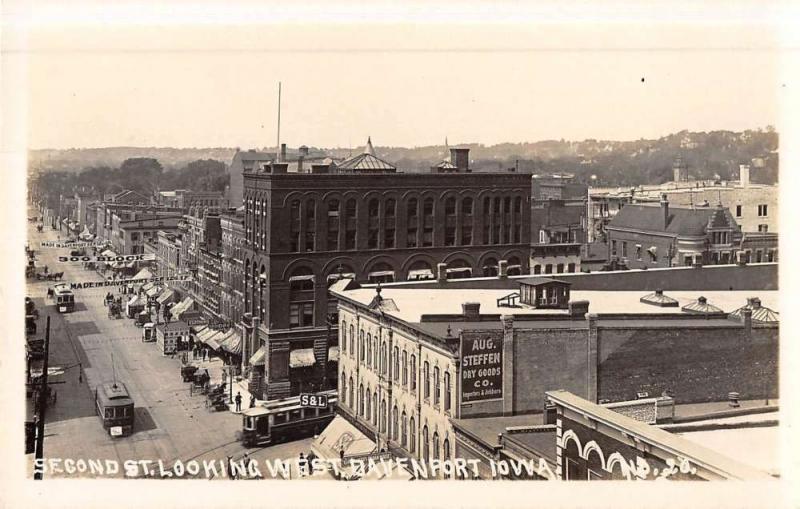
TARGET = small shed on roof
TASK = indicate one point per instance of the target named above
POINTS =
(544, 292)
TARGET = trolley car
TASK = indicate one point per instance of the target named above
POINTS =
(285, 419)
(65, 299)
(115, 408)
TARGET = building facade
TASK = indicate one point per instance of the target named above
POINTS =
(365, 220)
(232, 260)
(131, 236)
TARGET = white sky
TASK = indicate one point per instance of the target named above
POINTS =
(164, 74)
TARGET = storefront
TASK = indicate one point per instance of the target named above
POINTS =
(172, 337)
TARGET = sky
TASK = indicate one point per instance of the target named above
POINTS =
(198, 75)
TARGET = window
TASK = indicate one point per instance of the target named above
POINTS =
(388, 238)
(762, 211)
(404, 430)
(447, 392)
(548, 269)
(537, 269)
(294, 237)
(413, 372)
(375, 408)
(369, 350)
(435, 445)
(310, 235)
(412, 445)
(560, 268)
(372, 208)
(450, 236)
(436, 385)
(350, 239)
(376, 355)
(613, 248)
(390, 207)
(395, 424)
(384, 364)
(738, 211)
(763, 228)
(367, 405)
(427, 236)
(624, 249)
(333, 225)
(361, 346)
(396, 365)
(638, 252)
(344, 336)
(294, 315)
(383, 417)
(361, 400)
(450, 206)
(427, 207)
(426, 374)
(405, 368)
(425, 443)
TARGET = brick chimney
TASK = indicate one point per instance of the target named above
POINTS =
(303, 151)
(665, 209)
(283, 153)
(502, 269)
(441, 272)
(279, 168)
(460, 159)
(471, 309)
(744, 175)
(747, 320)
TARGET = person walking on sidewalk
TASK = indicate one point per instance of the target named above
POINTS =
(238, 400)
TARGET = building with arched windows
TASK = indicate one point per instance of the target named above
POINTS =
(362, 218)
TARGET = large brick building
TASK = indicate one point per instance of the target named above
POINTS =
(413, 359)
(363, 219)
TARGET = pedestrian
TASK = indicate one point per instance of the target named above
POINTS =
(252, 400)
(205, 354)
(229, 467)
(45, 269)
(238, 400)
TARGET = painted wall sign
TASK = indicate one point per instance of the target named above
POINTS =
(125, 282)
(481, 368)
(108, 259)
(69, 244)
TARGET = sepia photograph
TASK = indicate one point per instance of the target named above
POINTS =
(346, 251)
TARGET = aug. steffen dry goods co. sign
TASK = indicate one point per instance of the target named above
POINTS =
(481, 368)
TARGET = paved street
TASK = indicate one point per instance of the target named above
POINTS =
(170, 423)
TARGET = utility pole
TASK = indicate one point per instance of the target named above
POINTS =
(42, 405)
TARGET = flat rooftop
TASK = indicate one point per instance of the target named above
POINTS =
(413, 303)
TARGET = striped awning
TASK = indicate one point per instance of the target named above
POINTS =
(257, 358)
(233, 343)
(206, 334)
(212, 341)
(333, 354)
(165, 296)
(302, 358)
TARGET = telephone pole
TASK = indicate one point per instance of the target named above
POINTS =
(42, 406)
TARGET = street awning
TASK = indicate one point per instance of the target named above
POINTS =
(148, 286)
(212, 340)
(165, 296)
(135, 301)
(381, 273)
(195, 329)
(302, 358)
(233, 343)
(182, 307)
(257, 359)
(459, 269)
(338, 436)
(144, 274)
(153, 291)
(415, 275)
(306, 277)
(108, 252)
(333, 354)
(204, 335)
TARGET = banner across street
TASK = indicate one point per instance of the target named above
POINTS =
(117, 258)
(123, 282)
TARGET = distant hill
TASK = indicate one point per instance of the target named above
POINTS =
(611, 162)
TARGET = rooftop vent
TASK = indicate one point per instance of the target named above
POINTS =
(659, 299)
(760, 314)
(701, 306)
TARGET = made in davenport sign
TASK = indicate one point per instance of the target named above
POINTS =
(481, 368)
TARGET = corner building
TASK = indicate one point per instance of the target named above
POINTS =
(363, 220)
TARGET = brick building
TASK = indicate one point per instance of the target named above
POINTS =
(648, 235)
(437, 354)
(130, 236)
(232, 259)
(364, 219)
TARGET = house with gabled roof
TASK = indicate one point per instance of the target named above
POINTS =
(657, 235)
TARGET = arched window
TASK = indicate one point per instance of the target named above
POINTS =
(372, 230)
(375, 355)
(384, 367)
(450, 221)
(391, 206)
(383, 416)
(405, 368)
(310, 227)
(294, 226)
(396, 364)
(447, 391)
(435, 445)
(352, 333)
(436, 385)
(361, 346)
(367, 405)
(395, 424)
(412, 443)
(426, 382)
(413, 372)
(350, 398)
(446, 449)
(350, 224)
(375, 408)
(404, 430)
(466, 221)
(301, 297)
(426, 446)
(369, 350)
(490, 267)
(420, 270)
(333, 225)
(537, 269)
(412, 220)
(343, 389)
(361, 400)
(427, 227)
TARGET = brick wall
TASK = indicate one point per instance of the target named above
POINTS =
(696, 365)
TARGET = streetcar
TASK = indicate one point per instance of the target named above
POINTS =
(285, 419)
(114, 407)
(65, 299)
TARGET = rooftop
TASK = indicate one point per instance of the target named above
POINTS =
(413, 303)
(683, 221)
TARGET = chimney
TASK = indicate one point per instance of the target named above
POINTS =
(279, 168)
(578, 308)
(502, 269)
(283, 153)
(747, 320)
(665, 209)
(460, 159)
(744, 175)
(303, 151)
(441, 272)
(300, 164)
(471, 309)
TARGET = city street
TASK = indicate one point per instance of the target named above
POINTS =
(170, 423)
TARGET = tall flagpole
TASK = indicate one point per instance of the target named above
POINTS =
(278, 145)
